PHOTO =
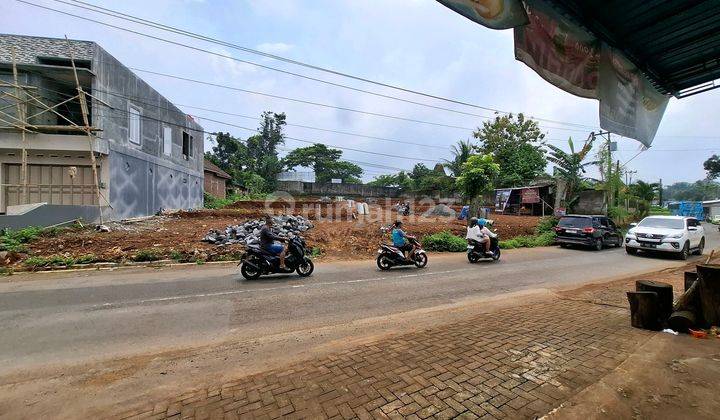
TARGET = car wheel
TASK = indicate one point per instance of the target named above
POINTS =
(631, 251)
(685, 253)
(598, 244)
(700, 247)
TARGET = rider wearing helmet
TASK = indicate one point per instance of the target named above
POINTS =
(478, 232)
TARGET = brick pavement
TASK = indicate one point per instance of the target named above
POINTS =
(518, 362)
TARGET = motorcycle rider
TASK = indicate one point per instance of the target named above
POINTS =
(400, 241)
(478, 232)
(267, 241)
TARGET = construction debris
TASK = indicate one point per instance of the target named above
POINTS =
(248, 233)
(440, 210)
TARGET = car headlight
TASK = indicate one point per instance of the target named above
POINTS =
(675, 235)
(630, 233)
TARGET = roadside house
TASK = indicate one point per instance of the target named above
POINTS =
(215, 180)
(149, 153)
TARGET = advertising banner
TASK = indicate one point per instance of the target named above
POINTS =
(495, 14)
(558, 50)
(530, 195)
(629, 105)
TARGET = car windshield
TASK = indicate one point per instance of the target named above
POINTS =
(575, 222)
(657, 222)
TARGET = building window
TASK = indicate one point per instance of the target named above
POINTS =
(134, 125)
(187, 145)
(167, 140)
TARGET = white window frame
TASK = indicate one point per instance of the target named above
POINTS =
(134, 111)
(167, 140)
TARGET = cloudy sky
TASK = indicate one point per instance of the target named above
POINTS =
(416, 44)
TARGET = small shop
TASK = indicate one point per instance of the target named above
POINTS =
(532, 200)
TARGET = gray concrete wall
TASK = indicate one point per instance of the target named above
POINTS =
(142, 186)
(312, 188)
(49, 215)
(591, 202)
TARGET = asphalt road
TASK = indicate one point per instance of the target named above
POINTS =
(49, 319)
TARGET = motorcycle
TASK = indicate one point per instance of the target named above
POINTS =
(257, 262)
(390, 256)
(476, 250)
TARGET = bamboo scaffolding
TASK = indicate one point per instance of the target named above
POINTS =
(21, 117)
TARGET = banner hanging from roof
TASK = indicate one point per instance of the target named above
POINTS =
(495, 14)
(573, 59)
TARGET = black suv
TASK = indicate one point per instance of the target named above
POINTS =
(594, 231)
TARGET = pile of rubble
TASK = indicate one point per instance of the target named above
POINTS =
(248, 233)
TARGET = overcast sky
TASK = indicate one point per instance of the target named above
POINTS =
(417, 44)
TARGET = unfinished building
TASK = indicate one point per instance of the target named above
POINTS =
(81, 136)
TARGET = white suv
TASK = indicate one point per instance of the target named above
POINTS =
(677, 234)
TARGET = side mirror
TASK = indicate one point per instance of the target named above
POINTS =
(632, 225)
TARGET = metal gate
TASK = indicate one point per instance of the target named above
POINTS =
(52, 184)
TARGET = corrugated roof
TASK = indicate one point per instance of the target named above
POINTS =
(211, 167)
(676, 43)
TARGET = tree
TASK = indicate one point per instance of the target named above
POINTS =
(644, 194)
(476, 177)
(461, 152)
(262, 148)
(570, 167)
(325, 162)
(229, 154)
(400, 180)
(712, 166)
(517, 147)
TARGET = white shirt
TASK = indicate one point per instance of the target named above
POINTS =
(478, 234)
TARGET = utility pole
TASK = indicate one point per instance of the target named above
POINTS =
(660, 192)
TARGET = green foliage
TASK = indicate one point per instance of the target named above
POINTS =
(546, 224)
(315, 251)
(532, 241)
(86, 259)
(570, 167)
(52, 261)
(517, 147)
(145, 255)
(176, 256)
(444, 241)
(695, 191)
(325, 162)
(477, 175)
(712, 166)
(15, 240)
(461, 152)
(212, 202)
(659, 211)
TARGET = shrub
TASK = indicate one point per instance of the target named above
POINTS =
(15, 240)
(86, 259)
(444, 241)
(145, 255)
(51, 261)
(543, 239)
(546, 224)
(176, 255)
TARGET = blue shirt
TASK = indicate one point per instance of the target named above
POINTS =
(398, 237)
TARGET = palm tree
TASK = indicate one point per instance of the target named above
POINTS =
(644, 193)
(571, 168)
(461, 152)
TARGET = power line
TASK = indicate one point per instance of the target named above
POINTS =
(168, 28)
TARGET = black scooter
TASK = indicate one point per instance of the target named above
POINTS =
(390, 256)
(257, 262)
(476, 250)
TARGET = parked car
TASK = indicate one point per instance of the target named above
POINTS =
(592, 231)
(679, 235)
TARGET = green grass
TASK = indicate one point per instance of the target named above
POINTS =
(16, 240)
(529, 241)
(445, 242)
(145, 255)
(659, 211)
(212, 202)
(58, 261)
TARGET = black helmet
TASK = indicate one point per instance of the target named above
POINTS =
(398, 223)
(473, 221)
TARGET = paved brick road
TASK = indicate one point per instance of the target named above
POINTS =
(515, 363)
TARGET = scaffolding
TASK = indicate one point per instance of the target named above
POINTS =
(20, 96)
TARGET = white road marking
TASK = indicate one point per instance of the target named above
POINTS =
(268, 289)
